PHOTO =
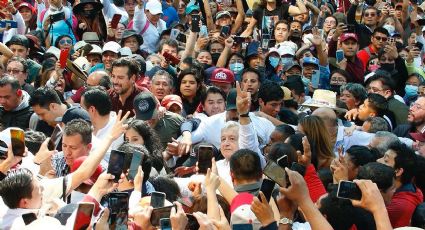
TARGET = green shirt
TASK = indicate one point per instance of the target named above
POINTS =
(168, 127)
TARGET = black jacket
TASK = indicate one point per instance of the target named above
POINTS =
(363, 32)
(19, 118)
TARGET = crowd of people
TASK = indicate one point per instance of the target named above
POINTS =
(238, 114)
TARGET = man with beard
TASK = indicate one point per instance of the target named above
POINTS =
(124, 73)
(416, 119)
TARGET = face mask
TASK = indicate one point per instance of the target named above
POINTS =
(373, 68)
(89, 13)
(236, 67)
(286, 60)
(215, 57)
(411, 90)
(389, 28)
(274, 61)
(335, 88)
(387, 67)
(305, 80)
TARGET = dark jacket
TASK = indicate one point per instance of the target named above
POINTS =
(363, 32)
(19, 117)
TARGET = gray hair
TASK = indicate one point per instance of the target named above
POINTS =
(229, 125)
(164, 74)
(377, 124)
(359, 91)
(385, 140)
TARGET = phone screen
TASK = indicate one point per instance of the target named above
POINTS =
(275, 173)
(339, 55)
(265, 39)
(29, 218)
(267, 187)
(203, 31)
(115, 20)
(242, 227)
(205, 155)
(116, 164)
(17, 137)
(134, 165)
(83, 217)
(195, 22)
(63, 57)
(165, 223)
(118, 206)
(157, 199)
(298, 168)
(159, 213)
(283, 161)
(55, 138)
(225, 31)
(349, 190)
(315, 79)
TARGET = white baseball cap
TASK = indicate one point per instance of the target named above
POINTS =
(111, 46)
(154, 7)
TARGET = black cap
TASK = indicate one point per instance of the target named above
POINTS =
(231, 100)
(145, 105)
(72, 113)
(289, 66)
(18, 39)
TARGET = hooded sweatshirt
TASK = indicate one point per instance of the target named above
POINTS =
(20, 116)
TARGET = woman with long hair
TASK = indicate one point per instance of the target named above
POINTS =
(190, 87)
(29, 14)
(318, 136)
(90, 18)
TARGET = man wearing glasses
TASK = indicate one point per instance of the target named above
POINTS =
(416, 119)
(17, 67)
(377, 41)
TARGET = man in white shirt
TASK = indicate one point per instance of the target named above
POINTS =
(97, 103)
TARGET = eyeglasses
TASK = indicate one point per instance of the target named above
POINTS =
(416, 106)
(14, 71)
(384, 39)
(330, 21)
(373, 89)
(369, 14)
(63, 41)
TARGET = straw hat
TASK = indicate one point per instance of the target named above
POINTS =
(323, 99)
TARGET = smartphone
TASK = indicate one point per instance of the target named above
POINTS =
(192, 222)
(118, 206)
(283, 161)
(315, 79)
(195, 22)
(238, 39)
(348, 190)
(157, 199)
(339, 55)
(17, 137)
(203, 31)
(159, 213)
(170, 58)
(55, 138)
(174, 33)
(165, 223)
(275, 173)
(205, 155)
(116, 164)
(84, 215)
(225, 31)
(115, 20)
(267, 187)
(57, 17)
(242, 227)
(29, 218)
(63, 57)
(181, 37)
(137, 157)
(265, 39)
(298, 168)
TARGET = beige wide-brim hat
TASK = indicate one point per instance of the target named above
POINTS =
(323, 99)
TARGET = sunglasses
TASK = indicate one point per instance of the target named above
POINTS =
(384, 39)
(369, 14)
(65, 41)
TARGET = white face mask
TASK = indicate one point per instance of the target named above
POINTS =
(389, 28)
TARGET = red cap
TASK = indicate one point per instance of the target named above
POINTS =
(169, 100)
(25, 4)
(96, 174)
(222, 75)
(418, 136)
(346, 36)
(241, 199)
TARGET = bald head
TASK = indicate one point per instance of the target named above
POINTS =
(327, 115)
(99, 78)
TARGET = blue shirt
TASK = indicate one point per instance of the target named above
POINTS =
(169, 14)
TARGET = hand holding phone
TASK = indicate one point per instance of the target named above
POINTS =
(115, 20)
(205, 155)
(83, 216)
(315, 79)
(196, 18)
(63, 57)
(136, 159)
(170, 58)
(348, 190)
(225, 31)
(118, 206)
(267, 187)
(159, 213)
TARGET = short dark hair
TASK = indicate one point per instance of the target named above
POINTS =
(405, 159)
(168, 186)
(44, 96)
(33, 140)
(15, 186)
(285, 130)
(378, 173)
(99, 98)
(338, 212)
(386, 81)
(133, 66)
(213, 90)
(381, 30)
(361, 155)
(20, 60)
(105, 82)
(170, 42)
(251, 70)
(246, 165)
(279, 150)
(81, 127)
(378, 103)
(9, 80)
(270, 91)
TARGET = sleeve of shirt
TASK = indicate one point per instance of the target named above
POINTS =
(314, 184)
(20, 21)
(199, 134)
(190, 125)
(108, 9)
(357, 138)
(324, 77)
(248, 140)
(139, 19)
(351, 15)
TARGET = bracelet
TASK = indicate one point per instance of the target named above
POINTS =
(244, 115)
(286, 221)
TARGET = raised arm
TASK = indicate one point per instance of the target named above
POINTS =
(224, 56)
(139, 17)
(239, 18)
(190, 45)
(250, 28)
(208, 16)
(7, 53)
(299, 9)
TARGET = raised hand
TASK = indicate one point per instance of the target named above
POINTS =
(119, 127)
(305, 158)
(243, 100)
(297, 191)
(262, 210)
(317, 39)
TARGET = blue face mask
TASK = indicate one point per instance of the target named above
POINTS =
(286, 60)
(236, 67)
(411, 90)
(305, 80)
(274, 61)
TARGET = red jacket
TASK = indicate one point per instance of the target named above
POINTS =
(403, 204)
(314, 184)
(364, 56)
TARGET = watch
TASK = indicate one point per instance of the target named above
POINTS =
(244, 115)
(285, 221)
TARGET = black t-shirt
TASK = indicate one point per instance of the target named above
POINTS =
(281, 10)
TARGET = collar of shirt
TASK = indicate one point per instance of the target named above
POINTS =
(252, 188)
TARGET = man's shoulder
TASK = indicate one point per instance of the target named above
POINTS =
(173, 116)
